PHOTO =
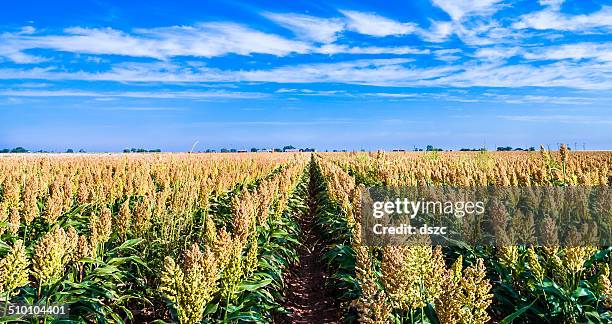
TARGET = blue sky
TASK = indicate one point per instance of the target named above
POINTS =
(105, 75)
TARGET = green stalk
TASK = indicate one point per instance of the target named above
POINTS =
(6, 302)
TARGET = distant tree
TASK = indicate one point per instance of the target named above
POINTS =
(224, 150)
(253, 149)
(155, 151)
(126, 150)
(429, 148)
(69, 151)
(19, 150)
(504, 148)
(288, 147)
(233, 150)
(277, 150)
(5, 151)
(81, 151)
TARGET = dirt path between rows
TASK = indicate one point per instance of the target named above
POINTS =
(307, 299)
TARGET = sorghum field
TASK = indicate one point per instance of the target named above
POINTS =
(275, 237)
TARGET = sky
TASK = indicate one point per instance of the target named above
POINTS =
(107, 75)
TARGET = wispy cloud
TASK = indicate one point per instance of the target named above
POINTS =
(338, 49)
(144, 108)
(208, 40)
(379, 72)
(392, 95)
(323, 30)
(375, 25)
(202, 40)
(135, 94)
(280, 123)
(496, 53)
(458, 9)
(492, 54)
(580, 51)
(552, 18)
(438, 31)
(567, 119)
(539, 99)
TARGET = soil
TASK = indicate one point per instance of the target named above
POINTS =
(307, 298)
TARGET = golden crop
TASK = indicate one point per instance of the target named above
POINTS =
(414, 276)
(164, 199)
(192, 233)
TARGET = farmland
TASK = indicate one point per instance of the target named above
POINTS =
(277, 237)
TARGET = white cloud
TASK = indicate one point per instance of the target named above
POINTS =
(20, 57)
(370, 72)
(496, 53)
(540, 99)
(336, 49)
(94, 41)
(551, 18)
(589, 75)
(310, 28)
(391, 95)
(12, 49)
(216, 39)
(458, 9)
(552, 3)
(26, 30)
(33, 85)
(450, 54)
(135, 94)
(485, 32)
(286, 90)
(375, 25)
(439, 31)
(376, 71)
(203, 40)
(309, 92)
(144, 108)
(573, 119)
(580, 51)
(472, 22)
(477, 32)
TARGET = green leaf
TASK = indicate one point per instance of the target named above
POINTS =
(246, 316)
(249, 286)
(431, 314)
(4, 248)
(599, 256)
(210, 309)
(508, 319)
(127, 245)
